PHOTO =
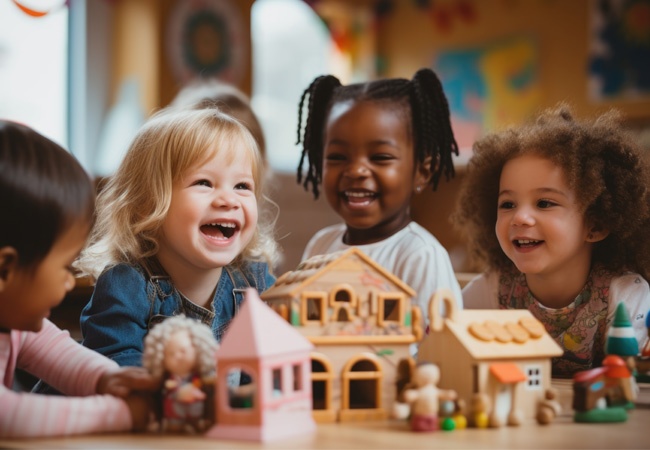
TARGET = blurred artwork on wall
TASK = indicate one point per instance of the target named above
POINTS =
(489, 87)
(207, 39)
(619, 53)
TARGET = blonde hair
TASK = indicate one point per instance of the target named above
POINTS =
(213, 93)
(133, 205)
(202, 339)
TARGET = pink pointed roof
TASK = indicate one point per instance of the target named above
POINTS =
(258, 331)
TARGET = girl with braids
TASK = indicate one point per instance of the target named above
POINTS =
(570, 205)
(372, 146)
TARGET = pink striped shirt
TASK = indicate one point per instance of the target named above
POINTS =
(51, 354)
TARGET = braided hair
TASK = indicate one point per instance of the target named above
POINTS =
(423, 96)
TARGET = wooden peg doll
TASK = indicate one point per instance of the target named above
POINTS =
(425, 397)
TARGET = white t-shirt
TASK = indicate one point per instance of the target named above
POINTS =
(412, 254)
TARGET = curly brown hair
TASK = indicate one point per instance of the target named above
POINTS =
(603, 165)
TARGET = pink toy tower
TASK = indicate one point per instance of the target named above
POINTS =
(263, 390)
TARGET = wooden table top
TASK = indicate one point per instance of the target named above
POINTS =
(562, 433)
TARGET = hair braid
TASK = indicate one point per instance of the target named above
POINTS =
(434, 132)
(320, 93)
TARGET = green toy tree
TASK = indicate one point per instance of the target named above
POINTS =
(620, 336)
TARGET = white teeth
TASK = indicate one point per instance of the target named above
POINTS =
(526, 241)
(358, 194)
(223, 224)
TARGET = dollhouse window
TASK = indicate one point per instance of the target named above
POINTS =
(390, 309)
(277, 382)
(342, 296)
(241, 394)
(363, 382)
(313, 308)
(534, 377)
(297, 377)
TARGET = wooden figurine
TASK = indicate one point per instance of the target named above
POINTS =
(478, 411)
(274, 359)
(504, 355)
(362, 322)
(180, 351)
(549, 407)
(425, 398)
(597, 391)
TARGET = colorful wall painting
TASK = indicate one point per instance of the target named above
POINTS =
(619, 63)
(489, 87)
(207, 38)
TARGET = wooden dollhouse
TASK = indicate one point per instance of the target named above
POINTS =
(263, 365)
(361, 320)
(504, 355)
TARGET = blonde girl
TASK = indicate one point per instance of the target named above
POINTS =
(177, 231)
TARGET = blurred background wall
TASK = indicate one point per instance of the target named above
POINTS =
(500, 62)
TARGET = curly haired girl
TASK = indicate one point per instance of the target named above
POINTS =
(570, 205)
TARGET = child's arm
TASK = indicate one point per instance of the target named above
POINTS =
(52, 354)
(33, 415)
(115, 321)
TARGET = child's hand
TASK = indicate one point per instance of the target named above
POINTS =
(123, 381)
(141, 405)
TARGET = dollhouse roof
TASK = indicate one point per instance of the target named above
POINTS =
(348, 261)
(499, 334)
(258, 331)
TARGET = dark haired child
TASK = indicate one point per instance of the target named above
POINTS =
(373, 146)
(570, 205)
(47, 203)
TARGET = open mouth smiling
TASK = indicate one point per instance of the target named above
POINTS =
(359, 197)
(526, 243)
(220, 230)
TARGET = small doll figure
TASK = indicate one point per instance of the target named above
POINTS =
(180, 351)
(425, 397)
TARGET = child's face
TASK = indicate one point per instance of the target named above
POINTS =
(539, 223)
(180, 354)
(369, 172)
(212, 216)
(27, 296)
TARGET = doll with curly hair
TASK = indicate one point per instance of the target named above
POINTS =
(180, 351)
(558, 210)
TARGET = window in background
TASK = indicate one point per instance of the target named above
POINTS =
(34, 65)
(291, 46)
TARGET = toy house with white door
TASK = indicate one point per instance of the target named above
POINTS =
(504, 354)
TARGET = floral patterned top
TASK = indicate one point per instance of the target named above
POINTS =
(579, 328)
